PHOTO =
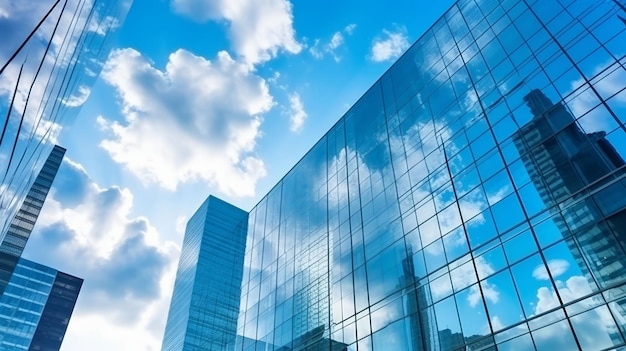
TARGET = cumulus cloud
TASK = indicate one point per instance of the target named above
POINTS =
(581, 102)
(258, 29)
(196, 120)
(556, 266)
(104, 25)
(88, 231)
(297, 114)
(593, 328)
(319, 49)
(390, 45)
(79, 98)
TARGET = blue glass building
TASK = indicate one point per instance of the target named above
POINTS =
(205, 302)
(472, 199)
(13, 241)
(36, 307)
(36, 301)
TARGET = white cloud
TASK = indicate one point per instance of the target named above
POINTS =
(318, 50)
(556, 266)
(389, 45)
(593, 328)
(181, 224)
(336, 41)
(581, 102)
(79, 98)
(88, 231)
(496, 323)
(195, 120)
(102, 26)
(257, 28)
(297, 114)
(350, 28)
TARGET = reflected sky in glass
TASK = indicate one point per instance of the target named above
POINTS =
(468, 198)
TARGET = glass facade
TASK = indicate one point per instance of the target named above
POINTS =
(13, 241)
(56, 313)
(473, 199)
(49, 60)
(36, 307)
(205, 302)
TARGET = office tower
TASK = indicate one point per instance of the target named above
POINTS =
(205, 302)
(21, 226)
(51, 54)
(36, 301)
(36, 307)
(472, 199)
(13, 241)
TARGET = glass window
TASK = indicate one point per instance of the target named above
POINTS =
(547, 232)
(520, 246)
(434, 256)
(532, 201)
(507, 213)
(480, 229)
(419, 264)
(472, 312)
(520, 343)
(425, 211)
(490, 164)
(393, 337)
(429, 231)
(498, 187)
(491, 261)
(568, 270)
(504, 129)
(450, 336)
(467, 181)
(557, 336)
(603, 254)
(502, 302)
(440, 287)
(449, 218)
(534, 286)
(463, 276)
(455, 244)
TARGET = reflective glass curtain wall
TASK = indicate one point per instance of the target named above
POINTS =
(36, 307)
(51, 54)
(472, 199)
(13, 241)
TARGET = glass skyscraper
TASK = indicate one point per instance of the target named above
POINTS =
(36, 307)
(36, 301)
(13, 241)
(205, 303)
(473, 199)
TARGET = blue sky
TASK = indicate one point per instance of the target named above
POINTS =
(198, 97)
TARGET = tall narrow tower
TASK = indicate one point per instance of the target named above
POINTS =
(205, 302)
(14, 240)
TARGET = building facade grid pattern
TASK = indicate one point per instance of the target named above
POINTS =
(472, 199)
(205, 302)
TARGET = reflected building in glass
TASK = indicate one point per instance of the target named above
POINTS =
(472, 199)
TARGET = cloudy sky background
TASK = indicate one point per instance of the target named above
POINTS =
(197, 97)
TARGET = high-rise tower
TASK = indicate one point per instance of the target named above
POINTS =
(205, 302)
